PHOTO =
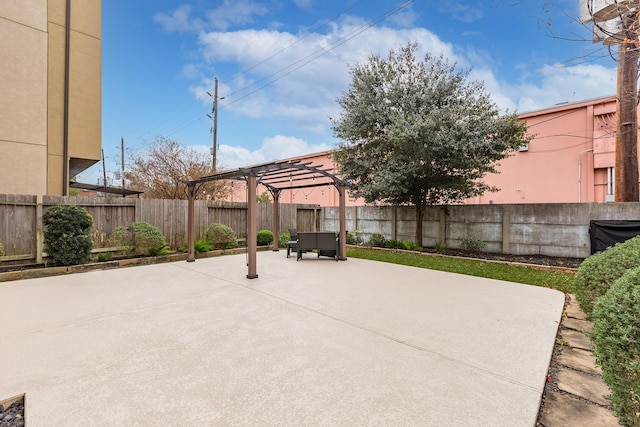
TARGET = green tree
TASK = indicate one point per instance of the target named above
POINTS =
(263, 198)
(419, 133)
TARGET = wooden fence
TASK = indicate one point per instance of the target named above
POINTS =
(21, 219)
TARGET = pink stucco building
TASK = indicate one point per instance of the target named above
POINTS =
(571, 159)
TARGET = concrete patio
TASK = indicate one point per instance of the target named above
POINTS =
(313, 342)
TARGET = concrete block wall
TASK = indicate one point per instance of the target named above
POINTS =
(558, 229)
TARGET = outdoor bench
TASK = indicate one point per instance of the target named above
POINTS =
(326, 243)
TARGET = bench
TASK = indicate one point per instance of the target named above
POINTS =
(326, 243)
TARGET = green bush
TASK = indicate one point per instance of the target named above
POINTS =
(283, 238)
(377, 240)
(411, 246)
(473, 244)
(147, 239)
(104, 256)
(1, 250)
(353, 238)
(597, 273)
(120, 237)
(395, 244)
(440, 247)
(616, 340)
(140, 239)
(264, 237)
(221, 236)
(199, 246)
(67, 234)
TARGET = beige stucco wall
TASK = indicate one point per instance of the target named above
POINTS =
(32, 79)
(85, 88)
(23, 85)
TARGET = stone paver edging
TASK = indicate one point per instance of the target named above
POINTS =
(577, 394)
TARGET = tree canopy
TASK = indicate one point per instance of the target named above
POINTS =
(419, 132)
(162, 169)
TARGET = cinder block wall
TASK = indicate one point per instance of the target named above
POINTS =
(559, 229)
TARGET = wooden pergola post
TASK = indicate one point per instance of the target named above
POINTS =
(191, 224)
(252, 228)
(342, 212)
(276, 220)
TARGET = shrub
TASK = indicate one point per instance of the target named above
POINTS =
(67, 234)
(198, 246)
(353, 238)
(411, 246)
(440, 247)
(395, 244)
(147, 239)
(616, 340)
(104, 256)
(264, 237)
(283, 238)
(120, 237)
(378, 240)
(221, 236)
(597, 273)
(473, 244)
(1, 250)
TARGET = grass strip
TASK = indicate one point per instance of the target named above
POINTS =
(531, 276)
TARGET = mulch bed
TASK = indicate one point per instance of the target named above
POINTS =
(544, 260)
(13, 416)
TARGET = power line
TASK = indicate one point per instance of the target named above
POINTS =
(317, 54)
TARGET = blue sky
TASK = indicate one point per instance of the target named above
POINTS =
(281, 64)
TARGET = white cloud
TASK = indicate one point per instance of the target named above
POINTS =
(299, 77)
(235, 12)
(229, 13)
(564, 84)
(178, 20)
(303, 3)
(273, 148)
(405, 18)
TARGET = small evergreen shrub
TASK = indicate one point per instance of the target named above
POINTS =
(221, 236)
(616, 340)
(411, 246)
(1, 250)
(283, 238)
(597, 273)
(67, 234)
(395, 244)
(377, 240)
(440, 247)
(473, 244)
(264, 237)
(147, 239)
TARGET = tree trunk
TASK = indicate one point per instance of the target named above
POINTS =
(420, 208)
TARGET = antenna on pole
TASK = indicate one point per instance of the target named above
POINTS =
(214, 117)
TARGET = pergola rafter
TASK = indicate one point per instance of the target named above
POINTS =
(276, 177)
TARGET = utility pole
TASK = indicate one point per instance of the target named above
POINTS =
(627, 130)
(214, 130)
(104, 171)
(616, 22)
(122, 147)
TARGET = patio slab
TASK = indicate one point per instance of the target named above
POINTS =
(310, 342)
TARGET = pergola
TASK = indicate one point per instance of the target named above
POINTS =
(276, 177)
